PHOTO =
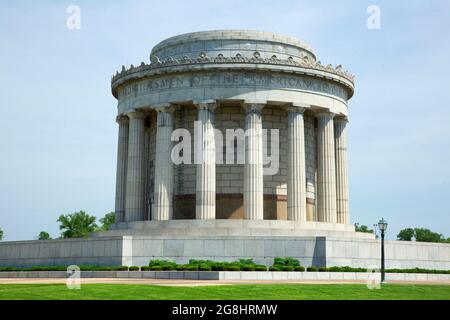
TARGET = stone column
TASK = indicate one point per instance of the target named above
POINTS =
(205, 197)
(147, 169)
(326, 169)
(135, 191)
(296, 184)
(253, 168)
(340, 140)
(162, 206)
(121, 172)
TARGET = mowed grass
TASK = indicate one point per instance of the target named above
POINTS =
(223, 292)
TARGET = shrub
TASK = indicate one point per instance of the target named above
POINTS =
(247, 267)
(122, 268)
(203, 262)
(246, 262)
(156, 268)
(233, 268)
(145, 268)
(168, 267)
(192, 267)
(42, 268)
(133, 268)
(181, 267)
(289, 261)
(219, 266)
(260, 267)
(204, 267)
(82, 268)
(311, 269)
(299, 268)
(274, 268)
(338, 269)
(278, 261)
(323, 269)
(287, 268)
(161, 263)
(346, 269)
(6, 269)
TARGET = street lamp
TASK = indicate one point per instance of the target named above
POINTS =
(382, 224)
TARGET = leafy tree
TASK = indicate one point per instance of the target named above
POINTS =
(76, 225)
(406, 234)
(1, 234)
(426, 235)
(421, 235)
(107, 221)
(43, 235)
(362, 228)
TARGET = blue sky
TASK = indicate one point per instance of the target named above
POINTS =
(58, 146)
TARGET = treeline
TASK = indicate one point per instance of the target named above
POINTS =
(421, 235)
(77, 225)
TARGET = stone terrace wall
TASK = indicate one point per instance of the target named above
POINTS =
(138, 250)
(108, 251)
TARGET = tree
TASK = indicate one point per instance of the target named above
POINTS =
(1, 234)
(426, 235)
(43, 235)
(107, 221)
(406, 234)
(362, 228)
(421, 235)
(76, 225)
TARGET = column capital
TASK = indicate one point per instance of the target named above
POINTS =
(325, 114)
(136, 114)
(252, 107)
(211, 106)
(296, 107)
(165, 117)
(293, 108)
(122, 119)
(340, 119)
(167, 107)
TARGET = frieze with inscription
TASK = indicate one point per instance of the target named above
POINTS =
(232, 79)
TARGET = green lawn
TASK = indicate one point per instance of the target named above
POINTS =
(239, 292)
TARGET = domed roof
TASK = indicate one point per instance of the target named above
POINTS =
(229, 43)
(248, 53)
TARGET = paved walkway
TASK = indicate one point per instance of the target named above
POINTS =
(176, 282)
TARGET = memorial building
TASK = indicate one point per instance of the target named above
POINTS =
(232, 145)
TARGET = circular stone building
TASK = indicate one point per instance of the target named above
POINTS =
(275, 187)
(231, 80)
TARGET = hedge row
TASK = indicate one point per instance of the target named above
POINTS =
(418, 270)
(280, 264)
(206, 265)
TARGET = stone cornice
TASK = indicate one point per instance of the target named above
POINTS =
(170, 64)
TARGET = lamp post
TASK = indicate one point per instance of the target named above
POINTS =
(382, 224)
